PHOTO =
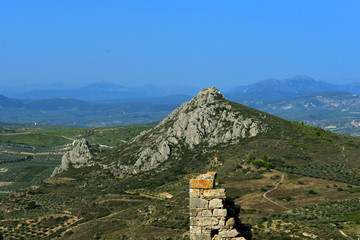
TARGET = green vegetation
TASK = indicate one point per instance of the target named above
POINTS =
(110, 136)
(35, 139)
(28, 156)
(286, 198)
(335, 171)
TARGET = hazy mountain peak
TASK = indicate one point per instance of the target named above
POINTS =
(301, 77)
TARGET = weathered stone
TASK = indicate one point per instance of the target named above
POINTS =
(207, 230)
(198, 203)
(195, 193)
(206, 213)
(229, 223)
(214, 227)
(195, 229)
(222, 221)
(79, 156)
(228, 233)
(215, 193)
(220, 212)
(193, 221)
(204, 221)
(202, 183)
(215, 203)
(193, 212)
(201, 236)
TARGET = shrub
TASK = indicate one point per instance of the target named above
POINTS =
(286, 198)
(312, 192)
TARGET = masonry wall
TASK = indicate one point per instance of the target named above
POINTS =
(212, 215)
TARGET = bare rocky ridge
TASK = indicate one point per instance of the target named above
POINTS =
(79, 156)
(207, 120)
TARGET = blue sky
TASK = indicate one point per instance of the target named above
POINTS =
(197, 43)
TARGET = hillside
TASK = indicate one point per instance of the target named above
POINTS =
(73, 112)
(139, 190)
(335, 111)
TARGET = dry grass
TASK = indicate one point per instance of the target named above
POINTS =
(59, 180)
(299, 192)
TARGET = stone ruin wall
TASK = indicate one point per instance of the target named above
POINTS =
(212, 215)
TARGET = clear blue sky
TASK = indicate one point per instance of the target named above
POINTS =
(200, 43)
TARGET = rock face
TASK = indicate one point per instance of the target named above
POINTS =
(78, 157)
(207, 120)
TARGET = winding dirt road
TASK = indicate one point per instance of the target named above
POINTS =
(276, 186)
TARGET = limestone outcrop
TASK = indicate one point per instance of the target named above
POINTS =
(207, 120)
(79, 156)
(213, 216)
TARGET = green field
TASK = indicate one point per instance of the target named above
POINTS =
(28, 156)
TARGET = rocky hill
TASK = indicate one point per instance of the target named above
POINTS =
(206, 121)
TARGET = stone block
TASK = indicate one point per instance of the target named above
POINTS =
(193, 221)
(215, 193)
(195, 193)
(198, 203)
(222, 221)
(193, 212)
(220, 212)
(206, 213)
(195, 230)
(216, 203)
(206, 230)
(202, 183)
(202, 236)
(214, 227)
(204, 221)
(228, 233)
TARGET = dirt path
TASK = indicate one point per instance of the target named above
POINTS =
(34, 154)
(71, 139)
(282, 138)
(276, 186)
(343, 153)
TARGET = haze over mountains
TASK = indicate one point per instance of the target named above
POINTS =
(301, 98)
(100, 91)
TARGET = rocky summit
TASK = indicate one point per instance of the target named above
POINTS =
(205, 121)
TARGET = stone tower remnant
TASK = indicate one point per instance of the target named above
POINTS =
(213, 216)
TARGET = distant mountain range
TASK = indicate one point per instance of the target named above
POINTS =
(300, 98)
(104, 91)
(334, 110)
(74, 112)
(98, 91)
